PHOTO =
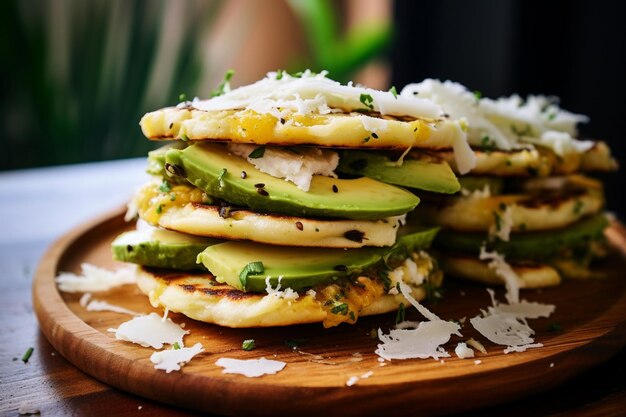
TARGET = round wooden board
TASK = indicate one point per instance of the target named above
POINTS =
(592, 315)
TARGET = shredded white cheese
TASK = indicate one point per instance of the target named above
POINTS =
(287, 293)
(506, 324)
(250, 368)
(422, 342)
(297, 165)
(503, 270)
(94, 279)
(173, 359)
(26, 409)
(98, 305)
(84, 299)
(314, 93)
(150, 331)
(506, 123)
(478, 193)
(462, 351)
(354, 379)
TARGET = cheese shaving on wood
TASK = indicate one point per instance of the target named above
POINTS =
(94, 279)
(173, 359)
(98, 305)
(502, 225)
(505, 324)
(150, 331)
(250, 368)
(422, 342)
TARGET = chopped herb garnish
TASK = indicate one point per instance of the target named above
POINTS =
(552, 116)
(367, 100)
(279, 74)
(257, 153)
(220, 177)
(555, 327)
(401, 313)
(340, 309)
(252, 268)
(578, 206)
(184, 137)
(27, 354)
(165, 187)
(477, 95)
(393, 91)
(159, 209)
(486, 144)
(433, 294)
(224, 86)
(527, 131)
(367, 139)
(248, 344)
(176, 346)
(224, 212)
(182, 97)
(352, 315)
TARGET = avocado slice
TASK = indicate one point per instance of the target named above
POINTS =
(416, 171)
(214, 170)
(156, 158)
(235, 263)
(161, 249)
(527, 246)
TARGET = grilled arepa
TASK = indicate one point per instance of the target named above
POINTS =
(526, 199)
(292, 236)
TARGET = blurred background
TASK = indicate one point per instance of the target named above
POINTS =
(78, 75)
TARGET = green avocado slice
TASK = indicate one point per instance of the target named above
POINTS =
(161, 249)
(422, 173)
(156, 158)
(214, 170)
(246, 265)
(527, 246)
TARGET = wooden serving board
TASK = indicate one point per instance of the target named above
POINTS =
(592, 315)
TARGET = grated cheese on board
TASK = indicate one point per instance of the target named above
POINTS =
(150, 331)
(94, 279)
(173, 359)
(250, 368)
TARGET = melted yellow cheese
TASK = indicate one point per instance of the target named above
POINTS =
(343, 303)
(152, 202)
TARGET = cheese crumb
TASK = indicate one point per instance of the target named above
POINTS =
(26, 409)
(287, 293)
(150, 331)
(463, 352)
(477, 362)
(84, 299)
(172, 359)
(352, 380)
(250, 368)
(94, 279)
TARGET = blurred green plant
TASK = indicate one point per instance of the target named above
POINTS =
(78, 75)
(341, 54)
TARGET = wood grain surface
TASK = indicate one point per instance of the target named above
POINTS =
(591, 315)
